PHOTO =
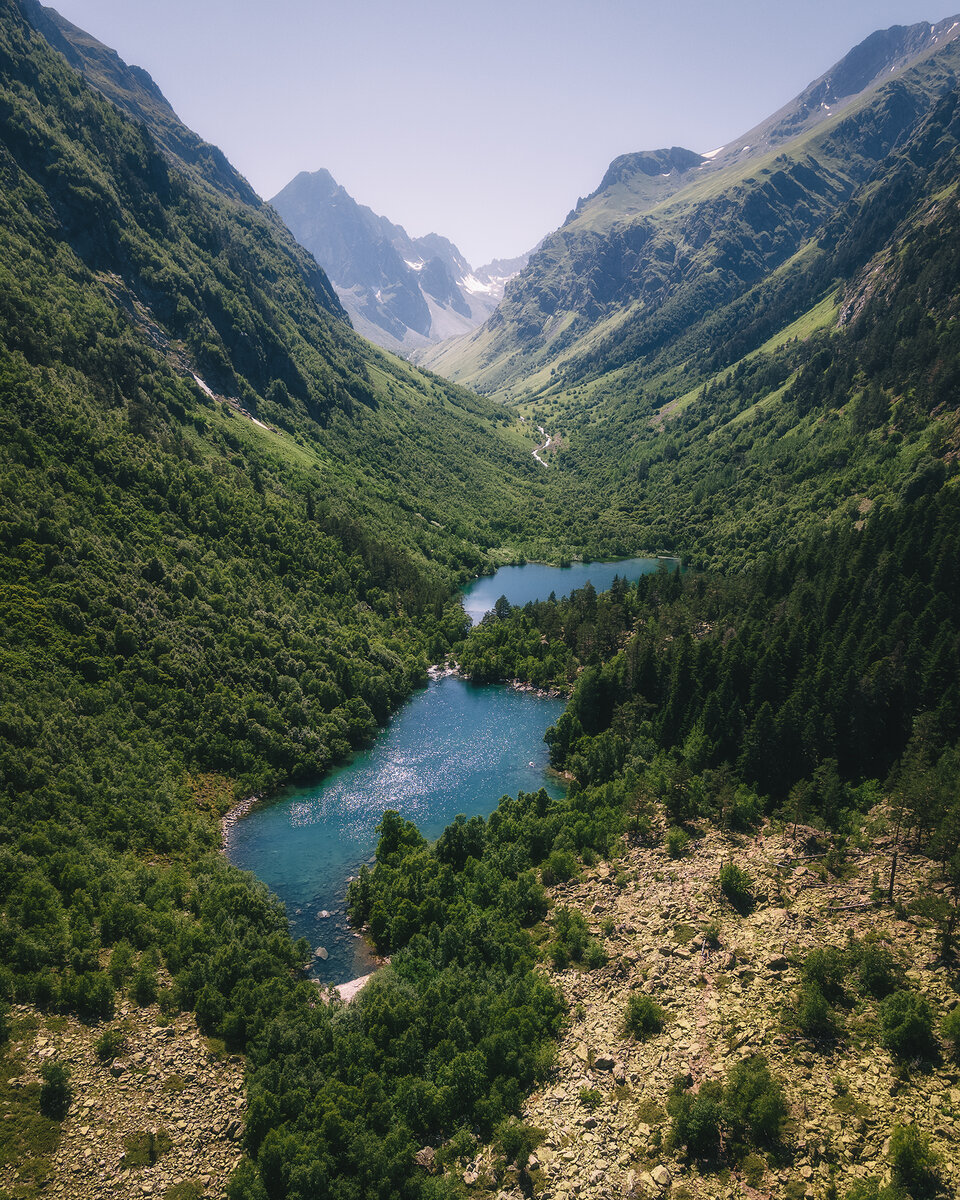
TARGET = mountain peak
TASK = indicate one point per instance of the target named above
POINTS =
(402, 292)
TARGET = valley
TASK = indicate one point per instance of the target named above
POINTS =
(713, 951)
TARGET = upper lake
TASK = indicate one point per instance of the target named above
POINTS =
(535, 581)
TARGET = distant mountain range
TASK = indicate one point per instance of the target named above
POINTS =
(401, 292)
(669, 232)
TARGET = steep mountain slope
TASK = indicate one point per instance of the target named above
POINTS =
(671, 234)
(401, 292)
(132, 89)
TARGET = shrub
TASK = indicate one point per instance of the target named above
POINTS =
(876, 971)
(814, 1016)
(145, 1147)
(737, 886)
(189, 1190)
(109, 1044)
(754, 1102)
(121, 963)
(825, 969)
(144, 988)
(572, 941)
(906, 1025)
(711, 933)
(517, 1141)
(912, 1163)
(559, 867)
(590, 1098)
(55, 1091)
(951, 1029)
(595, 955)
(644, 1017)
(678, 842)
(697, 1117)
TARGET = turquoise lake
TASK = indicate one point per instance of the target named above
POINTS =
(453, 748)
(534, 581)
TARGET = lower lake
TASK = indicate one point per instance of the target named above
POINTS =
(535, 581)
(453, 748)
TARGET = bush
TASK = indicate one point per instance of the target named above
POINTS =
(572, 941)
(697, 1118)
(737, 886)
(951, 1030)
(754, 1102)
(876, 971)
(813, 1015)
(144, 988)
(711, 933)
(906, 1025)
(559, 867)
(678, 842)
(912, 1163)
(517, 1141)
(825, 969)
(55, 1091)
(109, 1044)
(145, 1147)
(591, 1098)
(644, 1017)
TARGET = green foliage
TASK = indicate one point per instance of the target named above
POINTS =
(55, 1091)
(812, 1013)
(560, 866)
(677, 842)
(643, 1017)
(737, 886)
(144, 1147)
(906, 1026)
(696, 1118)
(748, 1111)
(950, 1028)
(913, 1164)
(517, 1141)
(590, 1098)
(109, 1045)
(754, 1103)
(189, 1190)
(571, 941)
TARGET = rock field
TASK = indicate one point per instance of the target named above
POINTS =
(165, 1079)
(725, 1003)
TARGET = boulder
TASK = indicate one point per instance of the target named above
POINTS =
(661, 1177)
(426, 1158)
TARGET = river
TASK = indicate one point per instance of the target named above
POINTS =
(454, 747)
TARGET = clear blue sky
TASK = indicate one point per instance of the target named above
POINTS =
(480, 121)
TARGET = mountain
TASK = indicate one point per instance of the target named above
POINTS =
(670, 232)
(401, 292)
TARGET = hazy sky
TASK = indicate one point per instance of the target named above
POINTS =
(480, 121)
